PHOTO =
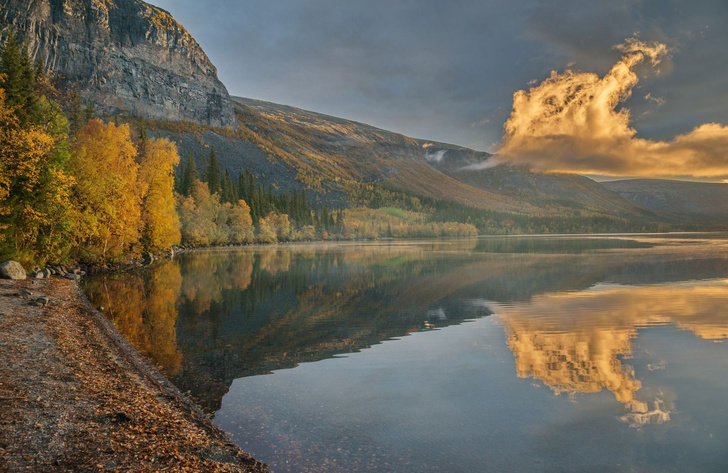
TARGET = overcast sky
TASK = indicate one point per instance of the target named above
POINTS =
(447, 70)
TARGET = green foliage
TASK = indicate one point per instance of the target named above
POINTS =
(34, 183)
(499, 223)
(212, 173)
(189, 176)
(17, 78)
(395, 212)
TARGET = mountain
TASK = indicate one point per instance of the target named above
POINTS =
(328, 149)
(124, 56)
(695, 201)
(130, 58)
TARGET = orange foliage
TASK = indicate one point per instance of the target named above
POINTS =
(108, 193)
(156, 179)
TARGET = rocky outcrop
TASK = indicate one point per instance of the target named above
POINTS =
(124, 56)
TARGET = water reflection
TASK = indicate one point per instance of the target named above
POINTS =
(143, 308)
(570, 309)
(576, 342)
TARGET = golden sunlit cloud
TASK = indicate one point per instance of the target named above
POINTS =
(570, 123)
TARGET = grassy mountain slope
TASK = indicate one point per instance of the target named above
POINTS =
(696, 201)
(334, 158)
(329, 150)
(343, 149)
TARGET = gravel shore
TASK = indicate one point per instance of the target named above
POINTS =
(75, 396)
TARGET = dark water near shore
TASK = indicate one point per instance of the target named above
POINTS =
(481, 355)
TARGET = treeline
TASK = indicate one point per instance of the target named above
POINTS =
(217, 209)
(262, 201)
(440, 211)
(505, 223)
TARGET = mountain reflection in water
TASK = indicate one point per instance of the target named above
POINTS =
(570, 308)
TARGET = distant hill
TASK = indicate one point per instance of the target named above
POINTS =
(695, 201)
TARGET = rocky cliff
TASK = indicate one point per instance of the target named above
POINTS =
(123, 56)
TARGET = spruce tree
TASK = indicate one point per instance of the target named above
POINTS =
(88, 113)
(179, 174)
(143, 138)
(227, 189)
(243, 188)
(189, 176)
(212, 173)
(17, 78)
(76, 115)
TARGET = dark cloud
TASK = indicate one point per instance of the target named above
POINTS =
(448, 70)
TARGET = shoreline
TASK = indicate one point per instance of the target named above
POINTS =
(77, 396)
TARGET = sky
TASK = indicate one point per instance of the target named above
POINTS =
(612, 87)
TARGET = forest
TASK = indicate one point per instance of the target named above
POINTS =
(75, 187)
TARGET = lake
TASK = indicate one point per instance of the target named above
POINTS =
(528, 354)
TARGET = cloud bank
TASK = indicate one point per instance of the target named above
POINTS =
(572, 122)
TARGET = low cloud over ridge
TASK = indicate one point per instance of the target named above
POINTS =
(570, 123)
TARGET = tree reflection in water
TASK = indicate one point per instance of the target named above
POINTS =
(570, 308)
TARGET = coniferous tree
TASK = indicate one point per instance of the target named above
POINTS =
(340, 221)
(179, 174)
(143, 139)
(76, 113)
(228, 193)
(212, 173)
(189, 176)
(243, 188)
(88, 113)
(325, 217)
(17, 78)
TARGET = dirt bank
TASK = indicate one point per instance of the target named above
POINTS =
(75, 396)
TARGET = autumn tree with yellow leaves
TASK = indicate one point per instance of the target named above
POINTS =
(107, 198)
(161, 225)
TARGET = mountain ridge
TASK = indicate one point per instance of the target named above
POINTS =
(700, 201)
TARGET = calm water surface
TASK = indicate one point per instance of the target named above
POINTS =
(482, 355)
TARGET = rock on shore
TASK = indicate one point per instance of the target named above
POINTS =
(12, 270)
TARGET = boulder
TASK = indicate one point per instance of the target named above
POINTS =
(12, 270)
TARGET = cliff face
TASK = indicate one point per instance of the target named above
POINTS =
(124, 56)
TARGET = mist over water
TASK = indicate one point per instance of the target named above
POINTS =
(495, 354)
